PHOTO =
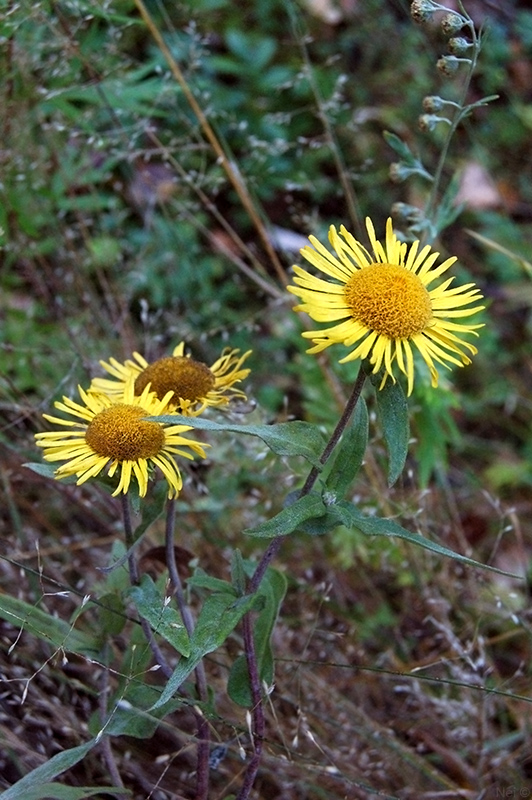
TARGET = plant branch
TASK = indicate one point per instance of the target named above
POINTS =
(267, 558)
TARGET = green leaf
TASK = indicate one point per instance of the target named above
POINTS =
(349, 516)
(238, 574)
(410, 164)
(272, 589)
(201, 580)
(129, 715)
(393, 414)
(219, 615)
(290, 518)
(350, 453)
(399, 147)
(295, 438)
(55, 631)
(112, 614)
(47, 471)
(58, 791)
(33, 781)
(164, 619)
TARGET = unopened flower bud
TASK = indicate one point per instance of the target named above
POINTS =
(458, 45)
(448, 65)
(432, 103)
(451, 24)
(421, 10)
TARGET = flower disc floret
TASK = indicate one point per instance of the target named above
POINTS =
(185, 378)
(120, 433)
(189, 385)
(389, 300)
(385, 303)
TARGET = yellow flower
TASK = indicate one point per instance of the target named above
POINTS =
(191, 385)
(114, 434)
(382, 303)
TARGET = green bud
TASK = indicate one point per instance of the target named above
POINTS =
(427, 122)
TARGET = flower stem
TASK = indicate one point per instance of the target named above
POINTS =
(341, 425)
(259, 724)
(135, 579)
(202, 772)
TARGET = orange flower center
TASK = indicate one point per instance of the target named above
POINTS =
(187, 379)
(120, 433)
(390, 300)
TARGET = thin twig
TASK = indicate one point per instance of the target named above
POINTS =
(228, 165)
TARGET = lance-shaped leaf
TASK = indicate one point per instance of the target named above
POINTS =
(34, 783)
(272, 589)
(55, 631)
(349, 516)
(350, 452)
(219, 615)
(164, 619)
(290, 518)
(393, 415)
(295, 438)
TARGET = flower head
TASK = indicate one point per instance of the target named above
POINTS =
(383, 303)
(114, 433)
(191, 385)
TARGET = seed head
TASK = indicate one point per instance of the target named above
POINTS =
(451, 24)
(448, 66)
(458, 45)
(421, 11)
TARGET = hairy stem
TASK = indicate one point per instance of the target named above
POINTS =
(202, 772)
(134, 578)
(265, 561)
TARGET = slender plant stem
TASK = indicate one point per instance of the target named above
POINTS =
(275, 544)
(348, 190)
(430, 208)
(247, 622)
(259, 723)
(202, 772)
(134, 578)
